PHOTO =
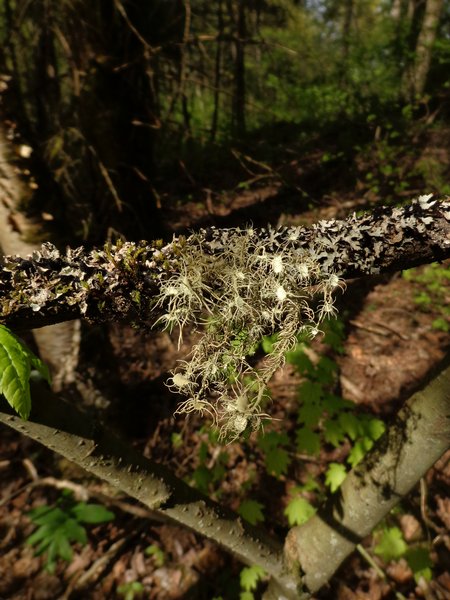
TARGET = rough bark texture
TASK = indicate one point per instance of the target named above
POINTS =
(120, 282)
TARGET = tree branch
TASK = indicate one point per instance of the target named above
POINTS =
(120, 282)
(417, 438)
(66, 430)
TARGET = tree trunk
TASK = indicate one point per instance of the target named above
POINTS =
(416, 75)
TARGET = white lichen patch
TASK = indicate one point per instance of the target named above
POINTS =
(255, 285)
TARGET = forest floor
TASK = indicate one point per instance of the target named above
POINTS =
(395, 329)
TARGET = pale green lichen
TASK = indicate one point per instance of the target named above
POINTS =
(236, 296)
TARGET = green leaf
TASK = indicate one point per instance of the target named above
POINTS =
(359, 450)
(310, 392)
(202, 478)
(420, 563)
(299, 359)
(251, 511)
(16, 362)
(351, 425)
(272, 439)
(391, 545)
(310, 414)
(441, 324)
(307, 441)
(326, 369)
(75, 532)
(157, 553)
(246, 596)
(92, 513)
(374, 428)
(333, 433)
(63, 548)
(334, 476)
(250, 576)
(277, 461)
(298, 511)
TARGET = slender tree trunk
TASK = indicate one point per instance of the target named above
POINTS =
(416, 76)
(217, 71)
(346, 30)
(239, 73)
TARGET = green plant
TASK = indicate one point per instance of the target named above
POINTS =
(158, 555)
(58, 527)
(391, 545)
(433, 286)
(206, 478)
(17, 365)
(250, 578)
(323, 416)
(130, 590)
(251, 511)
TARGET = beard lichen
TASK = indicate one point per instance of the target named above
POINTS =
(237, 295)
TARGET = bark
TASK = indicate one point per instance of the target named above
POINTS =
(120, 282)
(416, 76)
(64, 429)
(417, 438)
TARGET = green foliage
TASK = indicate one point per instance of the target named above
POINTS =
(433, 282)
(17, 365)
(298, 511)
(323, 416)
(335, 475)
(131, 590)
(251, 511)
(207, 478)
(158, 555)
(277, 459)
(392, 546)
(250, 577)
(62, 525)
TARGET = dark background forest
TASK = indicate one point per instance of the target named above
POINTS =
(140, 119)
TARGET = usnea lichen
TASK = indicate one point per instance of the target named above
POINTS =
(238, 295)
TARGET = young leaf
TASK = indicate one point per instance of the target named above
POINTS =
(16, 362)
(251, 511)
(157, 553)
(310, 414)
(298, 511)
(334, 476)
(92, 513)
(250, 577)
(359, 450)
(391, 545)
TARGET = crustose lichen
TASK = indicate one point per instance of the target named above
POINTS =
(251, 287)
